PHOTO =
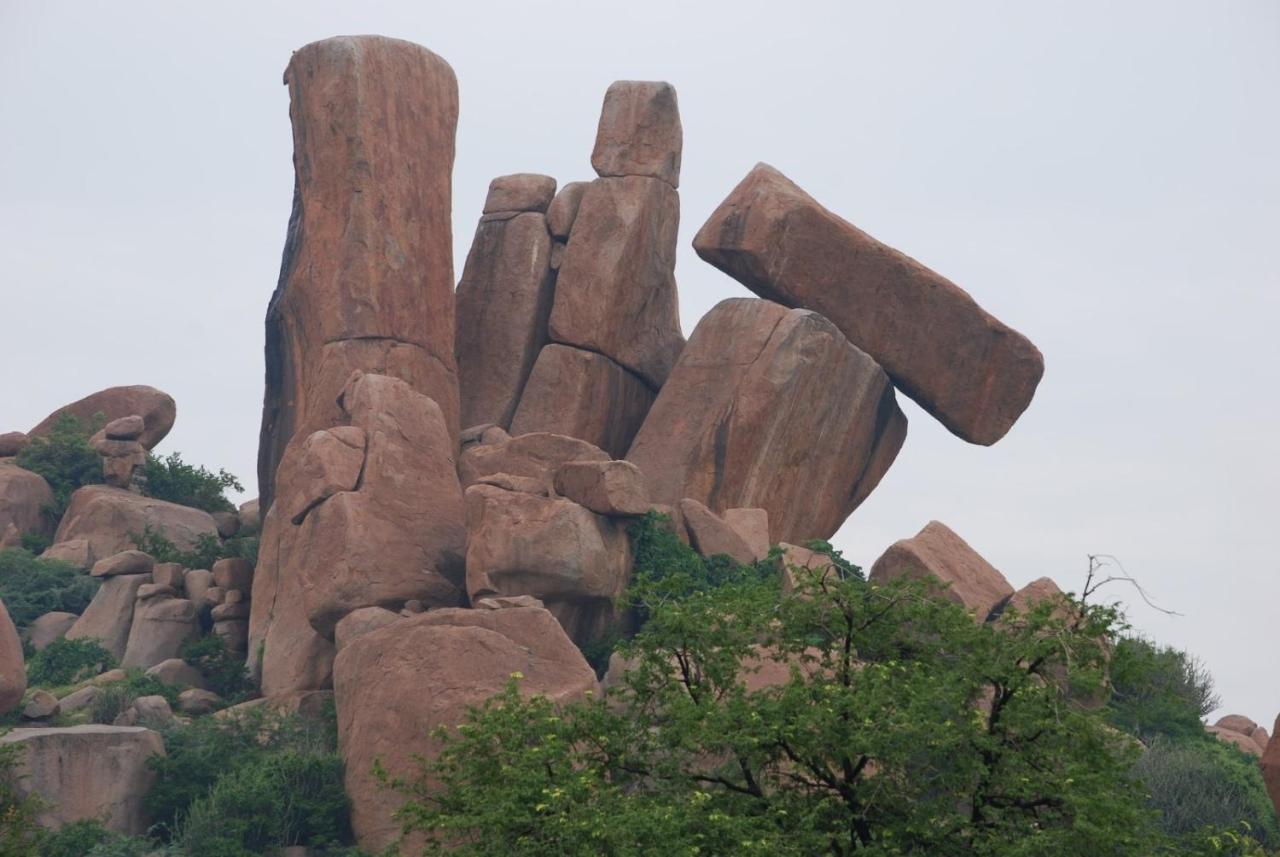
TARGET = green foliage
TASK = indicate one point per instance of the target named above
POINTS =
(31, 586)
(248, 784)
(1158, 691)
(20, 833)
(893, 724)
(35, 543)
(112, 699)
(843, 567)
(90, 839)
(170, 478)
(223, 670)
(65, 459)
(66, 661)
(1201, 782)
(207, 550)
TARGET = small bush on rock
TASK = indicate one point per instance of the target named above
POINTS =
(170, 478)
(65, 459)
(113, 699)
(89, 838)
(31, 586)
(223, 670)
(66, 661)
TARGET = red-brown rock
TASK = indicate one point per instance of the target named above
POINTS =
(109, 616)
(962, 365)
(538, 455)
(1241, 742)
(585, 395)
(639, 132)
(711, 536)
(573, 560)
(51, 626)
(13, 442)
(367, 278)
(771, 408)
(520, 192)
(161, 627)
(125, 562)
(937, 552)
(752, 525)
(614, 488)
(23, 498)
(13, 672)
(616, 288)
(564, 209)
(395, 685)
(329, 461)
(105, 517)
(1271, 765)
(157, 409)
(504, 299)
(1037, 591)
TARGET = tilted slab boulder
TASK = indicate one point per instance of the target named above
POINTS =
(773, 409)
(503, 302)
(109, 616)
(538, 455)
(156, 407)
(366, 282)
(639, 132)
(88, 773)
(937, 552)
(23, 497)
(961, 364)
(614, 488)
(711, 535)
(616, 287)
(585, 395)
(573, 560)
(13, 671)
(105, 517)
(393, 686)
(161, 627)
(51, 626)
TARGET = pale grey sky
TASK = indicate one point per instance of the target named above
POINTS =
(1102, 176)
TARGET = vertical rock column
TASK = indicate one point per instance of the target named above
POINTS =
(615, 317)
(366, 285)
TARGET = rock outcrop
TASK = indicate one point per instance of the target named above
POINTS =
(1242, 725)
(961, 364)
(105, 517)
(366, 282)
(937, 552)
(23, 497)
(538, 456)
(13, 671)
(161, 627)
(1271, 765)
(88, 772)
(771, 408)
(109, 616)
(156, 408)
(49, 627)
(393, 686)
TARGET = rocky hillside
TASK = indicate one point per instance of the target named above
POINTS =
(457, 479)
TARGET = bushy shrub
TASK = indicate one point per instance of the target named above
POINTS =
(113, 699)
(1194, 783)
(88, 838)
(65, 459)
(208, 549)
(20, 833)
(223, 669)
(1158, 691)
(31, 586)
(66, 661)
(170, 478)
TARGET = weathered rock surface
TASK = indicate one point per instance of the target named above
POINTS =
(564, 209)
(1246, 727)
(157, 409)
(771, 408)
(196, 583)
(88, 772)
(616, 288)
(520, 192)
(161, 627)
(250, 515)
(614, 488)
(109, 616)
(41, 704)
(125, 562)
(150, 711)
(798, 562)
(75, 552)
(43, 630)
(178, 673)
(104, 517)
(573, 560)
(538, 455)
(639, 132)
(1229, 736)
(582, 394)
(13, 442)
(196, 701)
(503, 302)
(710, 535)
(13, 671)
(23, 496)
(752, 526)
(233, 573)
(366, 282)
(1039, 590)
(937, 552)
(362, 621)
(131, 427)
(961, 364)
(393, 686)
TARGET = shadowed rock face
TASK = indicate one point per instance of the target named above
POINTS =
(771, 408)
(366, 282)
(961, 364)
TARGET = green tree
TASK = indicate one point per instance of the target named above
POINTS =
(65, 459)
(1158, 691)
(170, 478)
(31, 586)
(894, 725)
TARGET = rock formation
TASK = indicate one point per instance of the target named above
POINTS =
(13, 672)
(103, 518)
(23, 498)
(962, 365)
(156, 408)
(771, 408)
(109, 617)
(937, 552)
(366, 282)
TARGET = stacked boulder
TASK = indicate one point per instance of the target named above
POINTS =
(1241, 732)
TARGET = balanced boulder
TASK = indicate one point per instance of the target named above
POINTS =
(958, 362)
(614, 488)
(109, 616)
(538, 455)
(639, 132)
(938, 553)
(156, 408)
(773, 409)
(105, 518)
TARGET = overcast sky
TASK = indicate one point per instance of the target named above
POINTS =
(1104, 177)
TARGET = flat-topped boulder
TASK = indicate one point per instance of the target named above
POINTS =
(88, 772)
(937, 552)
(973, 373)
(155, 407)
(104, 517)
(639, 132)
(773, 409)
